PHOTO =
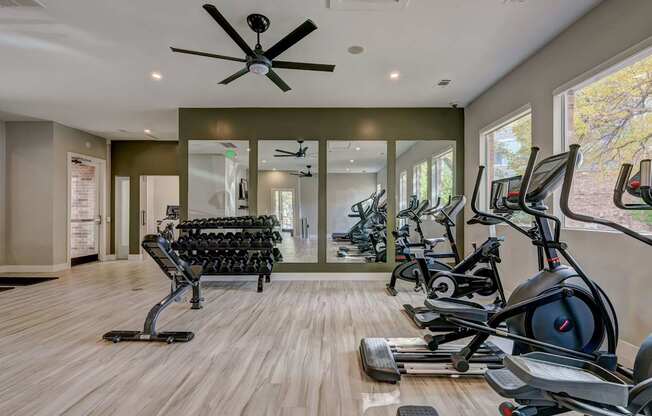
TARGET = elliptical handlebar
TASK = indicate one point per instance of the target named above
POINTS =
(525, 187)
(646, 179)
(476, 210)
(568, 185)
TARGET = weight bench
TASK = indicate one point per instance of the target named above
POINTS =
(183, 277)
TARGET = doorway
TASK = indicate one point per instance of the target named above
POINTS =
(122, 188)
(283, 206)
(85, 208)
(159, 202)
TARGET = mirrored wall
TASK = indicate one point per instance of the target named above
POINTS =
(288, 187)
(218, 178)
(357, 203)
(425, 195)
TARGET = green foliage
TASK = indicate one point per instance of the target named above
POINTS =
(642, 216)
(516, 155)
(612, 117)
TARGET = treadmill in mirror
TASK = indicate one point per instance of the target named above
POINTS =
(24, 281)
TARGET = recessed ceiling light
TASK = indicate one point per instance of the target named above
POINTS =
(357, 148)
(148, 131)
(264, 161)
(355, 49)
(394, 75)
(351, 160)
(156, 76)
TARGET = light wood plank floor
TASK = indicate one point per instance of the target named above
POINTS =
(289, 351)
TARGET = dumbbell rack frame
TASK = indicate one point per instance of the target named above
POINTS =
(192, 230)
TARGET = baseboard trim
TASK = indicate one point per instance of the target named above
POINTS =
(53, 268)
(305, 277)
(109, 257)
(135, 257)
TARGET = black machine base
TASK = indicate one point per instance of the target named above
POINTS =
(416, 411)
(167, 337)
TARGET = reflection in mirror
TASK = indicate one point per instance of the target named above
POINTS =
(288, 188)
(357, 205)
(426, 205)
(218, 178)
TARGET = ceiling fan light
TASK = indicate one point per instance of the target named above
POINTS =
(259, 69)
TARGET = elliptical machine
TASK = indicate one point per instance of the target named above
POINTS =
(558, 310)
(533, 381)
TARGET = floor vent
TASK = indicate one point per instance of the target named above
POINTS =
(368, 5)
(21, 3)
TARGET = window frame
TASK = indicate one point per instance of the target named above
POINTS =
(560, 131)
(435, 171)
(414, 182)
(484, 148)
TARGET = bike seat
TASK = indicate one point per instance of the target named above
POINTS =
(434, 241)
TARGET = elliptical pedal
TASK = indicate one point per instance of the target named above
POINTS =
(416, 411)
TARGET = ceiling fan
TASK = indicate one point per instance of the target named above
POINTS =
(261, 61)
(301, 153)
(303, 174)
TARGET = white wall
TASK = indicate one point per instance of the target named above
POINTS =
(213, 185)
(344, 190)
(66, 139)
(161, 192)
(609, 29)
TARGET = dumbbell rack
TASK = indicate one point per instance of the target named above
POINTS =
(194, 230)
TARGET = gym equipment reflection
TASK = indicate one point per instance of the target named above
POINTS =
(357, 203)
(288, 188)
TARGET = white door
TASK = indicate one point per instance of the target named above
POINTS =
(85, 209)
(122, 185)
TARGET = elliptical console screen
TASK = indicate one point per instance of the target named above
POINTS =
(546, 176)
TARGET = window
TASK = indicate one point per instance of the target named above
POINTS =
(402, 190)
(507, 152)
(420, 181)
(442, 177)
(610, 116)
(402, 196)
(378, 187)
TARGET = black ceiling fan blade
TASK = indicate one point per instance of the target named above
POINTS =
(285, 151)
(278, 81)
(234, 76)
(290, 39)
(209, 55)
(285, 155)
(305, 66)
(215, 14)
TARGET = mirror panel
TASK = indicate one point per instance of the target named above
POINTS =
(425, 180)
(218, 178)
(357, 204)
(288, 187)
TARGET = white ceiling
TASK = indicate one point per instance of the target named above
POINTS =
(87, 63)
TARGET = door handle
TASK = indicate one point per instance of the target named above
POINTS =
(143, 215)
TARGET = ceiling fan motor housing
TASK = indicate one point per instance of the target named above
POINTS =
(258, 64)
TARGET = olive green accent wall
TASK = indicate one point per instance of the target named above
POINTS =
(133, 159)
(322, 124)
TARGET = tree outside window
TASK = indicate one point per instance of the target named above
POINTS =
(611, 118)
